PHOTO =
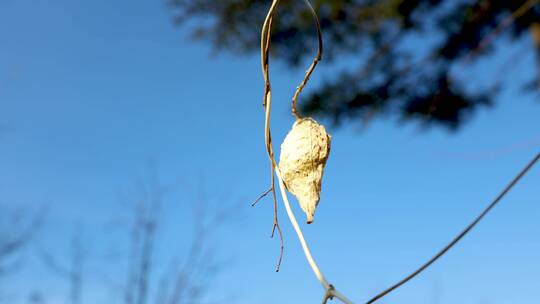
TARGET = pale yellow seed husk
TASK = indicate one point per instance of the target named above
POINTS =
(303, 156)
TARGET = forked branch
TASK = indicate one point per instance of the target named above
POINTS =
(267, 103)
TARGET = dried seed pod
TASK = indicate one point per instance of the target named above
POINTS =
(303, 156)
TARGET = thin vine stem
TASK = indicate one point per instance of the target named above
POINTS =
(461, 234)
(267, 102)
(330, 291)
(313, 64)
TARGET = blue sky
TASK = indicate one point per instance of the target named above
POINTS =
(92, 92)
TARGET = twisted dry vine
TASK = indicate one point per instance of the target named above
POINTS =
(313, 64)
(330, 291)
(267, 104)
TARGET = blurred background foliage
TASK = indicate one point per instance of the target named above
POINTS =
(396, 76)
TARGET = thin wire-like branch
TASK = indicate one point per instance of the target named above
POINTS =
(525, 7)
(313, 64)
(261, 197)
(330, 291)
(462, 233)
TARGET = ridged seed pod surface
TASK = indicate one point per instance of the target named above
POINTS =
(303, 156)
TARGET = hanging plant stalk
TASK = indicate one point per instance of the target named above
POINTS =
(304, 152)
(303, 157)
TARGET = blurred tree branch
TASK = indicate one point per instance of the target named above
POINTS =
(73, 270)
(17, 230)
(185, 279)
(410, 47)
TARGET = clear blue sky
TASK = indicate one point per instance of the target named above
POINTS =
(91, 92)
